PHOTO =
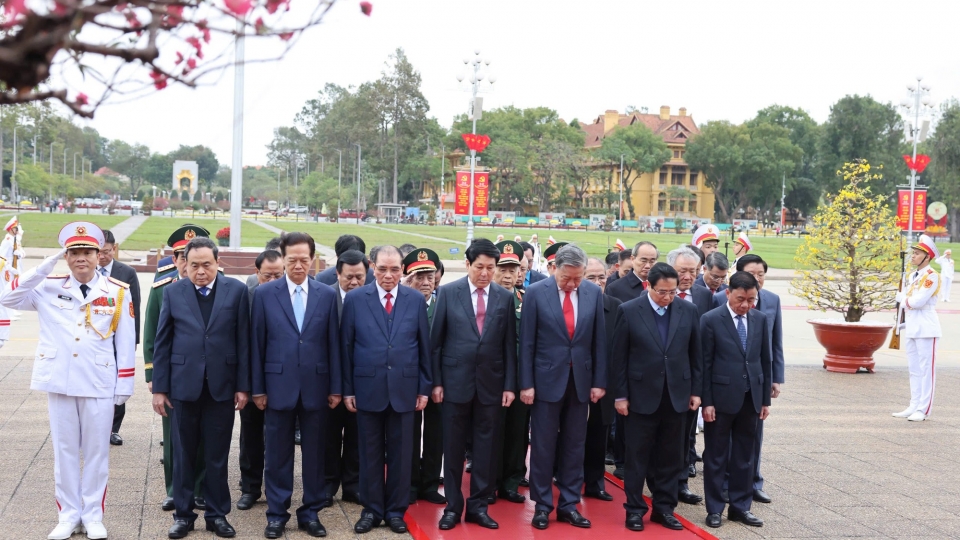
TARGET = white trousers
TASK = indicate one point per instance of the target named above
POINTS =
(80, 424)
(921, 359)
(945, 283)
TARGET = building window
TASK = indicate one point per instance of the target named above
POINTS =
(683, 153)
(663, 177)
(694, 177)
(662, 202)
(676, 154)
(692, 204)
(678, 175)
(676, 205)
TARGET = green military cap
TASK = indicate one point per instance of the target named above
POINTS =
(180, 237)
(551, 252)
(420, 260)
(510, 252)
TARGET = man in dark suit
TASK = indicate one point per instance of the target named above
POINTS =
(109, 266)
(254, 279)
(474, 352)
(601, 413)
(531, 276)
(715, 268)
(344, 243)
(341, 453)
(385, 345)
(563, 366)
(737, 374)
(269, 268)
(201, 361)
(658, 376)
(624, 265)
(295, 364)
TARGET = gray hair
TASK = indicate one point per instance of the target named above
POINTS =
(386, 249)
(642, 243)
(571, 255)
(199, 243)
(682, 251)
(717, 260)
(599, 261)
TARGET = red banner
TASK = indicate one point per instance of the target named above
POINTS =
(919, 209)
(481, 193)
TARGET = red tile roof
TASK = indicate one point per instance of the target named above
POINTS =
(675, 130)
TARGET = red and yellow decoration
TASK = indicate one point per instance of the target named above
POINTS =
(919, 164)
(81, 234)
(477, 143)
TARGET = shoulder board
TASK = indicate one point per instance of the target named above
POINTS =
(165, 268)
(58, 276)
(116, 281)
(162, 282)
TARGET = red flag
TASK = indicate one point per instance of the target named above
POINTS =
(919, 165)
(476, 142)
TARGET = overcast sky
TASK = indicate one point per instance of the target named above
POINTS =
(719, 59)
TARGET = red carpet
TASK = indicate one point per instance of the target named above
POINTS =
(514, 520)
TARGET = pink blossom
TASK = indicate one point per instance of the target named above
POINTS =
(179, 57)
(286, 36)
(366, 8)
(195, 41)
(14, 9)
(238, 7)
(82, 99)
(274, 5)
(206, 34)
(260, 26)
(192, 63)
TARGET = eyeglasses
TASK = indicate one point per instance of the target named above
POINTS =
(665, 293)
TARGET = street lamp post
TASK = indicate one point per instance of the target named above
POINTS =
(13, 177)
(918, 102)
(64, 159)
(75, 165)
(339, 177)
(620, 220)
(359, 165)
(475, 78)
(443, 160)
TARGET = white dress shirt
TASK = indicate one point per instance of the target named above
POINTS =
(473, 296)
(343, 293)
(734, 315)
(574, 299)
(292, 288)
(109, 268)
(655, 305)
(383, 296)
(688, 295)
(208, 286)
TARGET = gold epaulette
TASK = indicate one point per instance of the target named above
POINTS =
(58, 276)
(162, 282)
(165, 268)
(116, 281)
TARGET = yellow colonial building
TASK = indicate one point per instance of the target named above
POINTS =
(675, 190)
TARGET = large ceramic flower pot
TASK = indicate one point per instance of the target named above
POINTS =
(850, 346)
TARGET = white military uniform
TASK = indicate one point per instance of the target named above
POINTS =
(922, 332)
(85, 363)
(946, 276)
(11, 252)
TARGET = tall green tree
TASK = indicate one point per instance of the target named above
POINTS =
(945, 163)
(643, 151)
(718, 151)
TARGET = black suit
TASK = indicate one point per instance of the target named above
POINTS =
(251, 437)
(474, 368)
(737, 384)
(601, 414)
(201, 360)
(341, 453)
(129, 276)
(657, 376)
(329, 276)
(702, 283)
(624, 289)
(703, 299)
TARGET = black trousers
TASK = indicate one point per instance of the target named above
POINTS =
(427, 449)
(342, 454)
(385, 432)
(482, 424)
(721, 455)
(514, 438)
(119, 411)
(210, 422)
(654, 449)
(757, 447)
(251, 450)
(567, 420)
(595, 451)
(280, 456)
(619, 440)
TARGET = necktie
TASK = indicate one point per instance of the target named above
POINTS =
(298, 306)
(661, 310)
(103, 271)
(644, 285)
(481, 311)
(683, 295)
(389, 306)
(204, 291)
(742, 331)
(568, 313)
(84, 289)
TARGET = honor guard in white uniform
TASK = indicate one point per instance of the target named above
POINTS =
(921, 328)
(11, 251)
(706, 238)
(85, 363)
(741, 246)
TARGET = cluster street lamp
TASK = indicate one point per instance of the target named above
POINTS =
(476, 105)
(918, 103)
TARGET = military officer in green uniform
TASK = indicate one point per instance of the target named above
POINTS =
(166, 264)
(166, 275)
(516, 417)
(420, 270)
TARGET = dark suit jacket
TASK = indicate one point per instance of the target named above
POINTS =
(546, 350)
(725, 363)
(702, 283)
(465, 362)
(644, 364)
(383, 368)
(626, 288)
(290, 364)
(535, 277)
(186, 351)
(702, 298)
(610, 305)
(769, 304)
(329, 275)
(128, 275)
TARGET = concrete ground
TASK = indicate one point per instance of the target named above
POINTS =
(837, 464)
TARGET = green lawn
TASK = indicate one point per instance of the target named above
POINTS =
(155, 231)
(42, 230)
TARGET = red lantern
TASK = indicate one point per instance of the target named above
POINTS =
(476, 142)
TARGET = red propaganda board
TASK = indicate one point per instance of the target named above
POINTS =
(481, 193)
(919, 209)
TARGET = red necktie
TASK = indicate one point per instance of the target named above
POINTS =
(389, 306)
(683, 295)
(644, 283)
(568, 313)
(481, 311)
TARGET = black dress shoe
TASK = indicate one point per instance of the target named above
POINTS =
(167, 504)
(221, 528)
(618, 472)
(350, 497)
(761, 496)
(180, 528)
(449, 521)
(469, 467)
(161, 442)
(296, 437)
(116, 439)
(433, 497)
(698, 457)
(635, 522)
(492, 499)
(313, 528)
(688, 497)
(608, 459)
(512, 496)
(725, 495)
(524, 482)
(692, 471)
(713, 520)
(274, 529)
(744, 517)
(667, 520)
(574, 518)
(199, 503)
(397, 525)
(246, 500)
(482, 519)
(540, 519)
(602, 495)
(366, 523)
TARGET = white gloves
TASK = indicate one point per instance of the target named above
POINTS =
(20, 253)
(901, 296)
(120, 400)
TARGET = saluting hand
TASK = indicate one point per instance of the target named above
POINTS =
(437, 394)
(161, 403)
(333, 400)
(508, 398)
(240, 400)
(596, 394)
(526, 396)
